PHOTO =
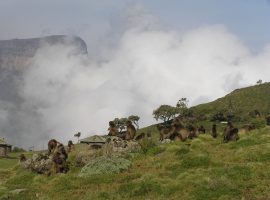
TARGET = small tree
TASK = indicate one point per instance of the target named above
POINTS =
(182, 106)
(165, 113)
(120, 123)
(259, 82)
(134, 119)
(78, 135)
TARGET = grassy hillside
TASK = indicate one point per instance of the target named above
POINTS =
(202, 168)
(240, 102)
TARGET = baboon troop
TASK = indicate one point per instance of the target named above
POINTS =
(128, 134)
(175, 130)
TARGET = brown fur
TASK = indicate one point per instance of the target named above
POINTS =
(214, 130)
(70, 146)
(113, 131)
(22, 158)
(131, 131)
(52, 145)
(230, 133)
(140, 136)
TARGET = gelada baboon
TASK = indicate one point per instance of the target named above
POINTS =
(172, 131)
(230, 133)
(201, 129)
(131, 131)
(113, 130)
(140, 136)
(22, 158)
(52, 144)
(60, 159)
(164, 131)
(70, 146)
(214, 130)
(192, 131)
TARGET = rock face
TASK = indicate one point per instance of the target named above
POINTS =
(14, 53)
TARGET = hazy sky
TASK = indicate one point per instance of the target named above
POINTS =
(141, 54)
(249, 19)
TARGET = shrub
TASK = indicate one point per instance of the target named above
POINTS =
(258, 123)
(105, 165)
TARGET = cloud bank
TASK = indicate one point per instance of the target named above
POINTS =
(145, 66)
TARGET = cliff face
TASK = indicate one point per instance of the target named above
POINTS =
(14, 53)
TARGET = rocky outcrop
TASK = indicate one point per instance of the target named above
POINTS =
(15, 53)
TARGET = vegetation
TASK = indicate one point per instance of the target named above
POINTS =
(240, 103)
(202, 168)
(105, 165)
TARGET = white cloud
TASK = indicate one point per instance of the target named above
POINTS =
(147, 67)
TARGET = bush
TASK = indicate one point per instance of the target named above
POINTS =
(258, 123)
(105, 165)
(17, 150)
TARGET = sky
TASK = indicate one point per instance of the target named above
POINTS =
(141, 54)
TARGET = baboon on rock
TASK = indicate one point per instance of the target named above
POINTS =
(230, 133)
(58, 155)
(113, 130)
(131, 131)
(214, 130)
(51, 146)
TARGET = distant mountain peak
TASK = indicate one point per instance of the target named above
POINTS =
(15, 52)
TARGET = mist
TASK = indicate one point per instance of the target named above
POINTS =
(142, 65)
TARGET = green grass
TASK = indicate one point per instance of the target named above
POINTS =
(203, 168)
(240, 102)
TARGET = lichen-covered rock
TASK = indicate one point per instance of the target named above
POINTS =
(105, 165)
(116, 145)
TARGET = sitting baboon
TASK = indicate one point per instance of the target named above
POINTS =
(140, 136)
(70, 146)
(201, 129)
(177, 124)
(192, 131)
(22, 158)
(60, 165)
(176, 136)
(131, 131)
(230, 133)
(113, 130)
(164, 131)
(52, 145)
(59, 157)
(214, 130)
